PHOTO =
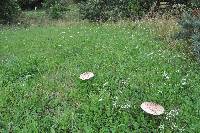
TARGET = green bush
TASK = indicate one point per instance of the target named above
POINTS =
(196, 45)
(55, 8)
(56, 11)
(79, 1)
(9, 11)
(195, 3)
(30, 4)
(103, 10)
(190, 30)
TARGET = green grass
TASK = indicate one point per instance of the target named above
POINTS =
(41, 90)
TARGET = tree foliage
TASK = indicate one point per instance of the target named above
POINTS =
(30, 4)
(195, 3)
(103, 10)
(9, 11)
(56, 8)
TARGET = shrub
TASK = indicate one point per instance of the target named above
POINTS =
(55, 8)
(56, 11)
(9, 11)
(190, 30)
(79, 1)
(30, 4)
(196, 45)
(195, 3)
(103, 10)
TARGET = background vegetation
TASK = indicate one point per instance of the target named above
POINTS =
(93, 10)
(30, 4)
(190, 30)
(55, 8)
(9, 11)
(104, 10)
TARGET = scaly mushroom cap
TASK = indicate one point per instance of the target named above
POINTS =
(152, 108)
(86, 76)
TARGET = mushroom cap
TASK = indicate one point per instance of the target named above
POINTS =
(152, 108)
(86, 75)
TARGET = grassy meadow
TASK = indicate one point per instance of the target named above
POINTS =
(41, 90)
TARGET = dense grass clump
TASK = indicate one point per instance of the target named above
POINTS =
(41, 90)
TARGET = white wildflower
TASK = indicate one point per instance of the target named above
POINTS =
(165, 75)
(150, 54)
(172, 114)
(159, 91)
(125, 106)
(123, 82)
(161, 127)
(183, 81)
(174, 126)
(182, 129)
(28, 76)
(105, 84)
(114, 103)
(116, 97)
(100, 99)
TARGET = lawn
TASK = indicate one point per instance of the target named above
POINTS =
(41, 90)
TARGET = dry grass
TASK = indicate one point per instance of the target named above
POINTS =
(163, 27)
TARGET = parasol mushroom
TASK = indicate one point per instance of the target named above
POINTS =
(86, 76)
(152, 108)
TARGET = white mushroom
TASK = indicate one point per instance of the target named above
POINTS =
(152, 108)
(86, 76)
